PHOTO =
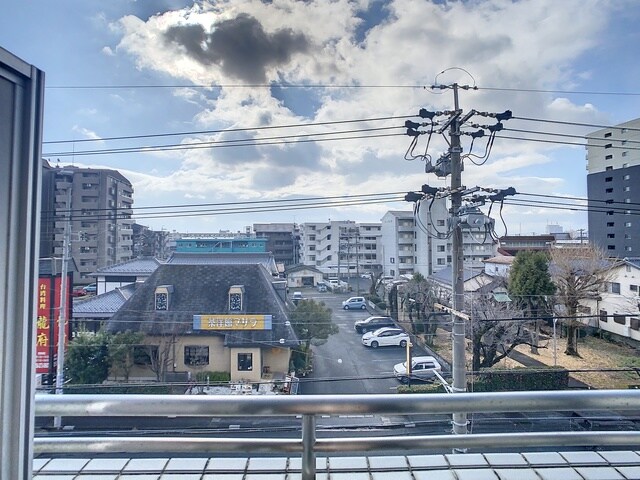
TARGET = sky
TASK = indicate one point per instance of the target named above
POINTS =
(143, 74)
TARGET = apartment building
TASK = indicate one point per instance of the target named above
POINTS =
(283, 240)
(613, 166)
(431, 243)
(341, 248)
(398, 243)
(96, 206)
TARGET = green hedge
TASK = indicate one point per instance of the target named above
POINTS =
(213, 377)
(126, 389)
(517, 379)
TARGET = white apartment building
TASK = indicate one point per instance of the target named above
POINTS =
(422, 244)
(341, 248)
(398, 243)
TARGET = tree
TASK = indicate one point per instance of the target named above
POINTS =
(579, 274)
(494, 335)
(312, 320)
(530, 287)
(419, 295)
(121, 348)
(86, 361)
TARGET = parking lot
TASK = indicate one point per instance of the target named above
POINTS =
(342, 365)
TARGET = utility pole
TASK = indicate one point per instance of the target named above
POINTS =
(467, 217)
(62, 313)
(457, 281)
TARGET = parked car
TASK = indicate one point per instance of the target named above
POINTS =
(297, 296)
(385, 337)
(422, 368)
(354, 303)
(322, 287)
(373, 323)
(78, 292)
(91, 289)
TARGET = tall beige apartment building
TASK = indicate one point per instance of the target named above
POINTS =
(99, 202)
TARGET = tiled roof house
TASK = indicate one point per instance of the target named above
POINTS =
(216, 317)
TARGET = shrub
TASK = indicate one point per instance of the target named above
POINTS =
(422, 388)
(518, 379)
(213, 377)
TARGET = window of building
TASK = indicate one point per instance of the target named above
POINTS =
(608, 179)
(610, 212)
(633, 288)
(625, 165)
(608, 145)
(611, 247)
(143, 355)
(627, 224)
(603, 316)
(607, 135)
(245, 362)
(610, 224)
(611, 235)
(609, 190)
(627, 200)
(440, 248)
(440, 261)
(627, 249)
(627, 189)
(627, 177)
(196, 355)
(440, 223)
(609, 201)
(634, 323)
(614, 287)
(627, 236)
(619, 319)
(624, 154)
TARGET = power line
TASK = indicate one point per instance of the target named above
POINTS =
(237, 143)
(231, 130)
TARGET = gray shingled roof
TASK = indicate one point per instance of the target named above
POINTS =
(201, 290)
(444, 276)
(104, 305)
(266, 259)
(299, 268)
(137, 266)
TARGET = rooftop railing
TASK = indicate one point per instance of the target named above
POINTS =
(308, 407)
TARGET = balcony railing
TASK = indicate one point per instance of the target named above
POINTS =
(308, 407)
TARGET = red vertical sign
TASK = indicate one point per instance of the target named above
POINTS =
(43, 325)
(47, 321)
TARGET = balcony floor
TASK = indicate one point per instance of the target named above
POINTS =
(571, 465)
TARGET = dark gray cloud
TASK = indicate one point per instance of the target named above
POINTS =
(240, 46)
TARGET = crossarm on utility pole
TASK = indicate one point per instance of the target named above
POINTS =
(451, 311)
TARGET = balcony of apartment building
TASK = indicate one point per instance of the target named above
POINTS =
(314, 450)
(406, 226)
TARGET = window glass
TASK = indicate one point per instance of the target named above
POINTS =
(245, 362)
(196, 355)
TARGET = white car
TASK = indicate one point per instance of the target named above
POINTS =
(422, 368)
(384, 337)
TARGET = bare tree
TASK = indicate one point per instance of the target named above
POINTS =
(418, 297)
(579, 274)
(496, 330)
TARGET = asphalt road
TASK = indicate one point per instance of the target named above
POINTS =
(343, 365)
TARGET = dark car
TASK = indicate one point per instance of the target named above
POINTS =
(373, 323)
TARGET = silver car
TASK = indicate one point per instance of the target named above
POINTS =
(355, 303)
(422, 368)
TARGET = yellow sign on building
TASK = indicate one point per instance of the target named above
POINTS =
(232, 322)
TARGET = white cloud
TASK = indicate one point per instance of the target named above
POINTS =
(502, 44)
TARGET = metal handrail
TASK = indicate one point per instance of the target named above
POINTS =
(310, 406)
